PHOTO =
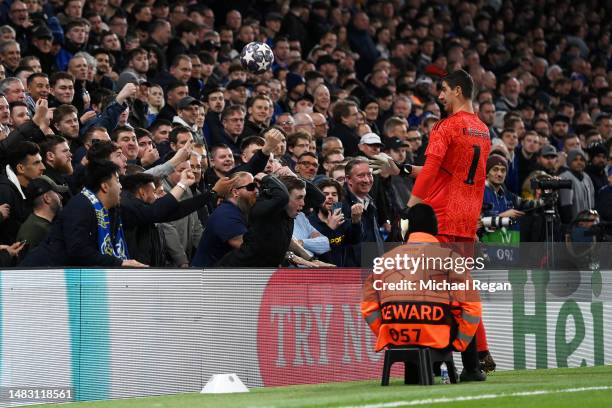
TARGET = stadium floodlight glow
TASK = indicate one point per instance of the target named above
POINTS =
(224, 384)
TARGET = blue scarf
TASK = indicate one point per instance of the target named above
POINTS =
(118, 249)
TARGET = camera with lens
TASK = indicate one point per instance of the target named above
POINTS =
(495, 222)
(550, 184)
(550, 191)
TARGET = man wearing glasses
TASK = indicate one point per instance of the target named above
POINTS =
(414, 141)
(19, 19)
(307, 166)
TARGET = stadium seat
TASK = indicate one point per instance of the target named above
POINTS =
(418, 364)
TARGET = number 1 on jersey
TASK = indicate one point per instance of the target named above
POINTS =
(473, 166)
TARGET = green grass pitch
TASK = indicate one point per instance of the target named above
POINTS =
(587, 387)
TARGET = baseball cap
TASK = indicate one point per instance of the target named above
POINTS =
(187, 101)
(235, 84)
(41, 185)
(274, 16)
(424, 80)
(548, 150)
(394, 143)
(429, 115)
(370, 139)
(42, 32)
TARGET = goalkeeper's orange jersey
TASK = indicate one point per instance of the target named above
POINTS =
(453, 178)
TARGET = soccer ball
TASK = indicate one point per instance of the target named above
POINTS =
(256, 57)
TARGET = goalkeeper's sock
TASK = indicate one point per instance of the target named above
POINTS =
(481, 337)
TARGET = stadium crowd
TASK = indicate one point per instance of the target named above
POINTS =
(130, 133)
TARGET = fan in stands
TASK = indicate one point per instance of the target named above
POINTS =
(256, 57)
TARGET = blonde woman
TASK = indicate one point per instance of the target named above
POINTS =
(156, 102)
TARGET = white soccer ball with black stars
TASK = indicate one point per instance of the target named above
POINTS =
(257, 57)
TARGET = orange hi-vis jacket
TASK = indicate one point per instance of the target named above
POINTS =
(417, 314)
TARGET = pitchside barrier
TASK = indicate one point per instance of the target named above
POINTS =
(124, 333)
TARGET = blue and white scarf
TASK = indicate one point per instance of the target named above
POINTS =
(118, 249)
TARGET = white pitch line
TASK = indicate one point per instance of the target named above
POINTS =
(478, 397)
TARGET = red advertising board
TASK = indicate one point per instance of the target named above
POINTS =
(310, 329)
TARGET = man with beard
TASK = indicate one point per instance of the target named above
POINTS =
(89, 232)
(596, 169)
(547, 160)
(228, 223)
(46, 197)
(66, 122)
(525, 154)
(486, 114)
(19, 114)
(581, 196)
(560, 130)
(268, 236)
(57, 159)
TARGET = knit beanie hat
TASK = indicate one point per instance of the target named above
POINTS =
(496, 160)
(572, 154)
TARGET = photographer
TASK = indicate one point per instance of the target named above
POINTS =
(500, 205)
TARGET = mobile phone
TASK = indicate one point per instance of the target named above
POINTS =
(336, 206)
